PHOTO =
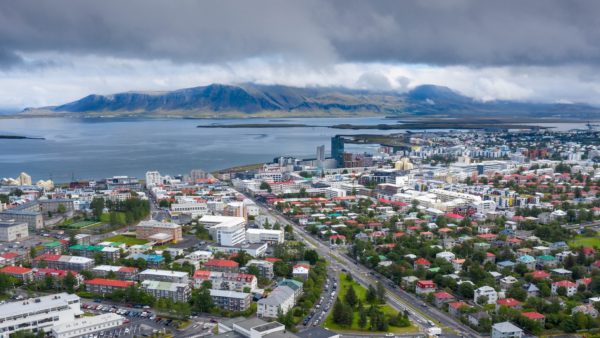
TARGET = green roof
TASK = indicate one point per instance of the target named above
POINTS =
(86, 247)
(546, 258)
(52, 244)
(294, 284)
(436, 269)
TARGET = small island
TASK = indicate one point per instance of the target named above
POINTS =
(20, 137)
(256, 125)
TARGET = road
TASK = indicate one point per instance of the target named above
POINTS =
(422, 314)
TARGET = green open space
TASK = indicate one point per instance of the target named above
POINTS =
(580, 240)
(361, 293)
(81, 224)
(128, 240)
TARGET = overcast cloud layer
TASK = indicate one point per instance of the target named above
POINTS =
(60, 50)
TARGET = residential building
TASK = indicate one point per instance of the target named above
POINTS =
(279, 301)
(301, 271)
(200, 255)
(21, 273)
(487, 291)
(58, 275)
(103, 286)
(110, 254)
(222, 265)
(231, 300)
(506, 330)
(164, 275)
(63, 262)
(423, 287)
(121, 272)
(178, 292)
(570, 287)
(226, 280)
(265, 268)
(11, 231)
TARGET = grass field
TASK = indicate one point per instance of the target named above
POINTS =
(361, 293)
(129, 240)
(81, 224)
(585, 241)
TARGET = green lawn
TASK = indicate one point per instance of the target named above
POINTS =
(361, 293)
(81, 224)
(585, 241)
(129, 240)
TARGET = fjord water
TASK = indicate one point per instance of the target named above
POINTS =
(96, 148)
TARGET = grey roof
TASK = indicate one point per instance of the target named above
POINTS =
(268, 326)
(506, 327)
(278, 296)
(250, 323)
(228, 294)
(316, 332)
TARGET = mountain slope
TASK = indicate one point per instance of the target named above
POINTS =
(249, 99)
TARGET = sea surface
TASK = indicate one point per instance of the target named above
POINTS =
(99, 148)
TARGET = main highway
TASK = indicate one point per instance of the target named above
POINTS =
(420, 313)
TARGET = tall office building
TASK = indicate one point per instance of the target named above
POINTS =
(337, 149)
(320, 154)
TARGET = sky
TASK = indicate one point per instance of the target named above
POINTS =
(52, 52)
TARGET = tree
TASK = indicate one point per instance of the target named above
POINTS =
(97, 207)
(466, 290)
(69, 282)
(201, 300)
(265, 186)
(167, 256)
(362, 319)
(282, 269)
(242, 257)
(61, 209)
(371, 295)
(517, 293)
(351, 297)
(380, 293)
(311, 256)
(342, 313)
(48, 282)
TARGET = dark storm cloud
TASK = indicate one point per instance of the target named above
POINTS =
(440, 32)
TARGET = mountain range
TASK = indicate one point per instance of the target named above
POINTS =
(253, 100)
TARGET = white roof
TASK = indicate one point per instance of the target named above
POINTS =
(506, 327)
(86, 322)
(264, 231)
(163, 273)
(37, 304)
(228, 294)
(224, 221)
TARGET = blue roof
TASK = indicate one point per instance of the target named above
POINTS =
(148, 257)
(506, 263)
(526, 259)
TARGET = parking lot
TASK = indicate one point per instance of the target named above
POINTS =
(142, 321)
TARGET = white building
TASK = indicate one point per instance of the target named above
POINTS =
(87, 325)
(201, 256)
(13, 231)
(280, 300)
(487, 291)
(164, 275)
(226, 230)
(177, 292)
(265, 236)
(38, 313)
(506, 330)
(153, 178)
(192, 208)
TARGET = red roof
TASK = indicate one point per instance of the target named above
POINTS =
(533, 315)
(127, 269)
(588, 250)
(489, 254)
(202, 274)
(585, 281)
(453, 215)
(425, 284)
(47, 257)
(222, 263)
(9, 255)
(422, 261)
(457, 305)
(565, 283)
(442, 295)
(510, 302)
(539, 274)
(109, 282)
(53, 272)
(15, 270)
(272, 259)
